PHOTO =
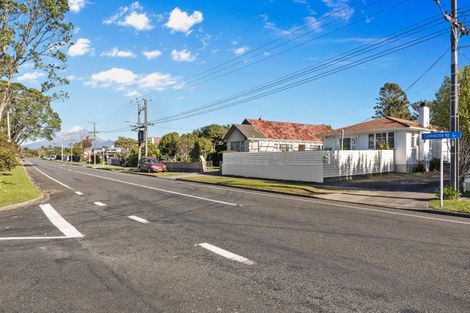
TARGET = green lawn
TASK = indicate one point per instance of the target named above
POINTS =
(15, 187)
(461, 205)
(259, 184)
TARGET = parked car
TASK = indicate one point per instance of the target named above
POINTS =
(151, 165)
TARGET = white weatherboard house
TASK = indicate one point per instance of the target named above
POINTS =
(402, 136)
(257, 135)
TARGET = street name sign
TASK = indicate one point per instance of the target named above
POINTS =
(442, 135)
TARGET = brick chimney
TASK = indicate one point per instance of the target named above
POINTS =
(423, 116)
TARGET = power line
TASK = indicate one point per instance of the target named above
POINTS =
(289, 34)
(353, 52)
(310, 79)
(428, 69)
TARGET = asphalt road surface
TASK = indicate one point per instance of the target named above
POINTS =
(113, 242)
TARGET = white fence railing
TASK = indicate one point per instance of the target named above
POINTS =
(308, 166)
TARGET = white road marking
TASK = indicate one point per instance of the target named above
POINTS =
(226, 254)
(79, 193)
(138, 219)
(65, 227)
(61, 183)
(99, 203)
(158, 189)
(332, 204)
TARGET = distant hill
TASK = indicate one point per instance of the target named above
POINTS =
(69, 137)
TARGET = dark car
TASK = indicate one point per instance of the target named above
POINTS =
(151, 165)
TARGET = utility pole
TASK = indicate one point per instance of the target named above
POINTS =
(8, 126)
(139, 126)
(457, 30)
(146, 131)
(71, 148)
(94, 143)
(62, 152)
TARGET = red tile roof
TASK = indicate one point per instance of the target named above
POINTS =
(383, 123)
(288, 131)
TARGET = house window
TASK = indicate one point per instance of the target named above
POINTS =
(240, 146)
(413, 141)
(346, 143)
(391, 140)
(301, 147)
(382, 141)
(284, 147)
(371, 141)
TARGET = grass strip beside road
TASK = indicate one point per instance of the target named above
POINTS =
(294, 188)
(460, 205)
(15, 187)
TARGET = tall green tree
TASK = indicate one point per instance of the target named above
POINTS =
(214, 133)
(35, 32)
(125, 142)
(441, 114)
(168, 145)
(31, 114)
(202, 147)
(392, 102)
(8, 154)
(185, 147)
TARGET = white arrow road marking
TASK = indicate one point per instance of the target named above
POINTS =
(65, 227)
(138, 219)
(226, 254)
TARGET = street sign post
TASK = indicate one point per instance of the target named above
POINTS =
(442, 136)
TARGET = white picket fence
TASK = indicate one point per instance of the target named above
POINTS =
(308, 166)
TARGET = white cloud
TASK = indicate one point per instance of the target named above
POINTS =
(81, 47)
(133, 84)
(116, 53)
(117, 77)
(152, 54)
(182, 55)
(131, 16)
(30, 77)
(180, 21)
(76, 5)
(340, 9)
(241, 50)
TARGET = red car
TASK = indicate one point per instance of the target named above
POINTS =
(151, 165)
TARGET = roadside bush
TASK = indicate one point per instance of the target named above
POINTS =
(8, 154)
(435, 165)
(449, 193)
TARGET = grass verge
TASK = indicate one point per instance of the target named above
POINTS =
(259, 184)
(15, 187)
(460, 205)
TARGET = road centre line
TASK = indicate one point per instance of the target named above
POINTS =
(79, 193)
(226, 254)
(330, 203)
(159, 189)
(340, 205)
(138, 219)
(99, 203)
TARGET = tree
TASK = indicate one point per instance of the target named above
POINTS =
(392, 102)
(125, 142)
(441, 114)
(8, 154)
(215, 133)
(168, 145)
(31, 114)
(33, 32)
(202, 147)
(185, 147)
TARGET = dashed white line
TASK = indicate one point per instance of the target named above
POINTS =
(99, 203)
(158, 189)
(138, 219)
(79, 193)
(226, 254)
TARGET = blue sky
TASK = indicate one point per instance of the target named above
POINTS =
(125, 49)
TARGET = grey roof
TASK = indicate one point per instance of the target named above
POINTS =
(248, 131)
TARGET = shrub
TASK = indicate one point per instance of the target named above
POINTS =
(8, 154)
(435, 165)
(448, 193)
